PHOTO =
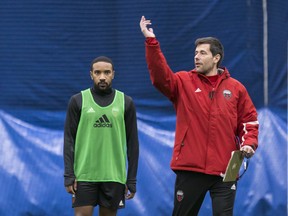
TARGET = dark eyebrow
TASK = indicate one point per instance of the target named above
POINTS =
(99, 71)
(201, 51)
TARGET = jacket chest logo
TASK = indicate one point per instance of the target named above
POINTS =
(227, 94)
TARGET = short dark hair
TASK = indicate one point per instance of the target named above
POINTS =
(101, 59)
(215, 46)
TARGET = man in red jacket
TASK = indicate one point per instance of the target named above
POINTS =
(215, 116)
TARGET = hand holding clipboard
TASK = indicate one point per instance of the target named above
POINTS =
(233, 166)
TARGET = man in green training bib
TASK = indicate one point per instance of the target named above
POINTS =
(100, 137)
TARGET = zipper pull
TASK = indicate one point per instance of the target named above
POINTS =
(212, 93)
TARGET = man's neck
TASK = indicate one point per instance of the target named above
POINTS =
(213, 72)
(102, 92)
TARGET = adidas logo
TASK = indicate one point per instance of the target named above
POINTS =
(91, 110)
(103, 121)
(121, 204)
(233, 187)
(198, 90)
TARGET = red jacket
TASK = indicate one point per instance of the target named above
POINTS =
(209, 120)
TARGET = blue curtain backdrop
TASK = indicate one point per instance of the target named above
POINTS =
(45, 52)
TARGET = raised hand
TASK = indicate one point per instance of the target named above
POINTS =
(147, 32)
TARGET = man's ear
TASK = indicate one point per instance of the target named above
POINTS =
(217, 58)
(113, 74)
(91, 75)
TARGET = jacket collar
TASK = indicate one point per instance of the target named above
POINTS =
(222, 72)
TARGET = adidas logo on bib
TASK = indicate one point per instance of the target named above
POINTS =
(91, 110)
(103, 121)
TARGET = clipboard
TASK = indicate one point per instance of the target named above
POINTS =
(233, 166)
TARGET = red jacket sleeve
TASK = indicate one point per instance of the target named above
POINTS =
(162, 77)
(247, 120)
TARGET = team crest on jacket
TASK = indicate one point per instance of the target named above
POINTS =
(180, 195)
(227, 94)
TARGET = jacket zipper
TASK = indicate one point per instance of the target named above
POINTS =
(212, 93)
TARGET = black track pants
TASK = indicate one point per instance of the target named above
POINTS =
(190, 191)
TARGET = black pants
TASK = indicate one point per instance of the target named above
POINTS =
(190, 191)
